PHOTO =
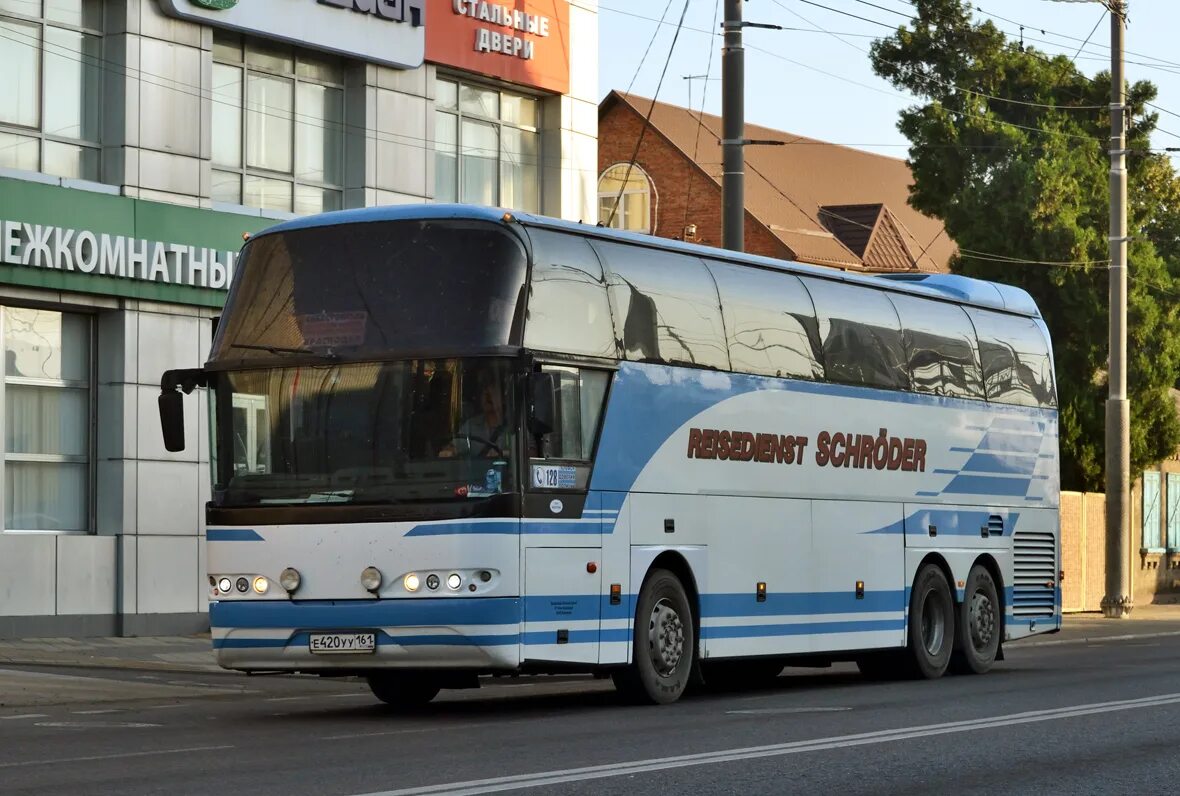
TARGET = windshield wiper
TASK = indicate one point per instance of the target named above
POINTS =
(274, 349)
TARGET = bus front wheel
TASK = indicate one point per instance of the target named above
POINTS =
(931, 623)
(664, 646)
(403, 690)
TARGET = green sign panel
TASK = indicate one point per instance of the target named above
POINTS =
(82, 241)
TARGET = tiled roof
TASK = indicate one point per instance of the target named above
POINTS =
(789, 187)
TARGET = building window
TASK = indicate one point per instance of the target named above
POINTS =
(628, 187)
(46, 396)
(278, 126)
(487, 148)
(51, 91)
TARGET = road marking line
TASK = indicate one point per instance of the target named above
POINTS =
(161, 707)
(775, 711)
(92, 712)
(91, 758)
(24, 716)
(407, 731)
(562, 776)
(286, 699)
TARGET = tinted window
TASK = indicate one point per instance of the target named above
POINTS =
(568, 309)
(375, 288)
(939, 344)
(769, 322)
(1014, 353)
(860, 334)
(665, 306)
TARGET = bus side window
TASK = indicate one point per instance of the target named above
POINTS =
(581, 395)
(568, 311)
(665, 306)
(1017, 368)
(940, 347)
(769, 322)
(861, 335)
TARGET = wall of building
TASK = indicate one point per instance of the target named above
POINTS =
(139, 566)
(681, 193)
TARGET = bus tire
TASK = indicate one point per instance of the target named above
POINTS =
(403, 690)
(979, 625)
(931, 631)
(663, 646)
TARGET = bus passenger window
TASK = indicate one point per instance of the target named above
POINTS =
(769, 322)
(568, 310)
(581, 394)
(1014, 352)
(861, 335)
(665, 306)
(940, 347)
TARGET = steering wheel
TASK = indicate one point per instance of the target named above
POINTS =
(487, 445)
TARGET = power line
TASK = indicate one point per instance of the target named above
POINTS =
(700, 124)
(647, 120)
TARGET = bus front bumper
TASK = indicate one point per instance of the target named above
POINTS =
(459, 633)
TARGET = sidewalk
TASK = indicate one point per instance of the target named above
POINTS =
(195, 653)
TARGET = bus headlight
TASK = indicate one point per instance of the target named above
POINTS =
(261, 585)
(289, 579)
(411, 582)
(224, 585)
(432, 581)
(454, 581)
(371, 579)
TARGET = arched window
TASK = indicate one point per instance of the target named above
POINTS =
(634, 206)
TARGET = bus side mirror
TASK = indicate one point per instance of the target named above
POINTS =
(172, 419)
(541, 411)
(172, 403)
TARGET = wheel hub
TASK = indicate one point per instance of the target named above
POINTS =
(933, 623)
(982, 620)
(665, 638)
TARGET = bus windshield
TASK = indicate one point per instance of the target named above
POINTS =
(369, 433)
(371, 289)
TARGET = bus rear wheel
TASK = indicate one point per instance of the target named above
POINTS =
(931, 624)
(977, 639)
(664, 643)
(403, 690)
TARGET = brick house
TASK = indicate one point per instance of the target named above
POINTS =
(807, 200)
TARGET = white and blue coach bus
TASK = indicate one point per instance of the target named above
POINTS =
(450, 441)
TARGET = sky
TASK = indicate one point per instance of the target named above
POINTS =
(806, 81)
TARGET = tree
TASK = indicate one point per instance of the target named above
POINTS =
(1009, 149)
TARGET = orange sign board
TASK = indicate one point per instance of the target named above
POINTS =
(520, 41)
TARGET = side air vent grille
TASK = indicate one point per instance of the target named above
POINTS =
(1034, 592)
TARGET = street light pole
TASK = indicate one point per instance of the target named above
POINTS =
(1117, 602)
(733, 128)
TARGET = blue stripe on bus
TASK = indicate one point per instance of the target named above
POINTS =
(1000, 464)
(357, 613)
(802, 629)
(801, 604)
(988, 485)
(514, 527)
(232, 535)
(995, 441)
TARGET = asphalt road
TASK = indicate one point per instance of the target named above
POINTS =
(1078, 717)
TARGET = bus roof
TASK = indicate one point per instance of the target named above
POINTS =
(958, 289)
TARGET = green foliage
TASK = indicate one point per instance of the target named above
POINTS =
(1009, 150)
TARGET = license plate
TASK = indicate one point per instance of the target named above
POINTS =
(340, 643)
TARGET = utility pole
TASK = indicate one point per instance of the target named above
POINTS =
(733, 130)
(1117, 603)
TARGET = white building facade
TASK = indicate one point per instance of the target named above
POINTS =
(140, 140)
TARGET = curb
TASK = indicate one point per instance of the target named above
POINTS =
(1093, 639)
